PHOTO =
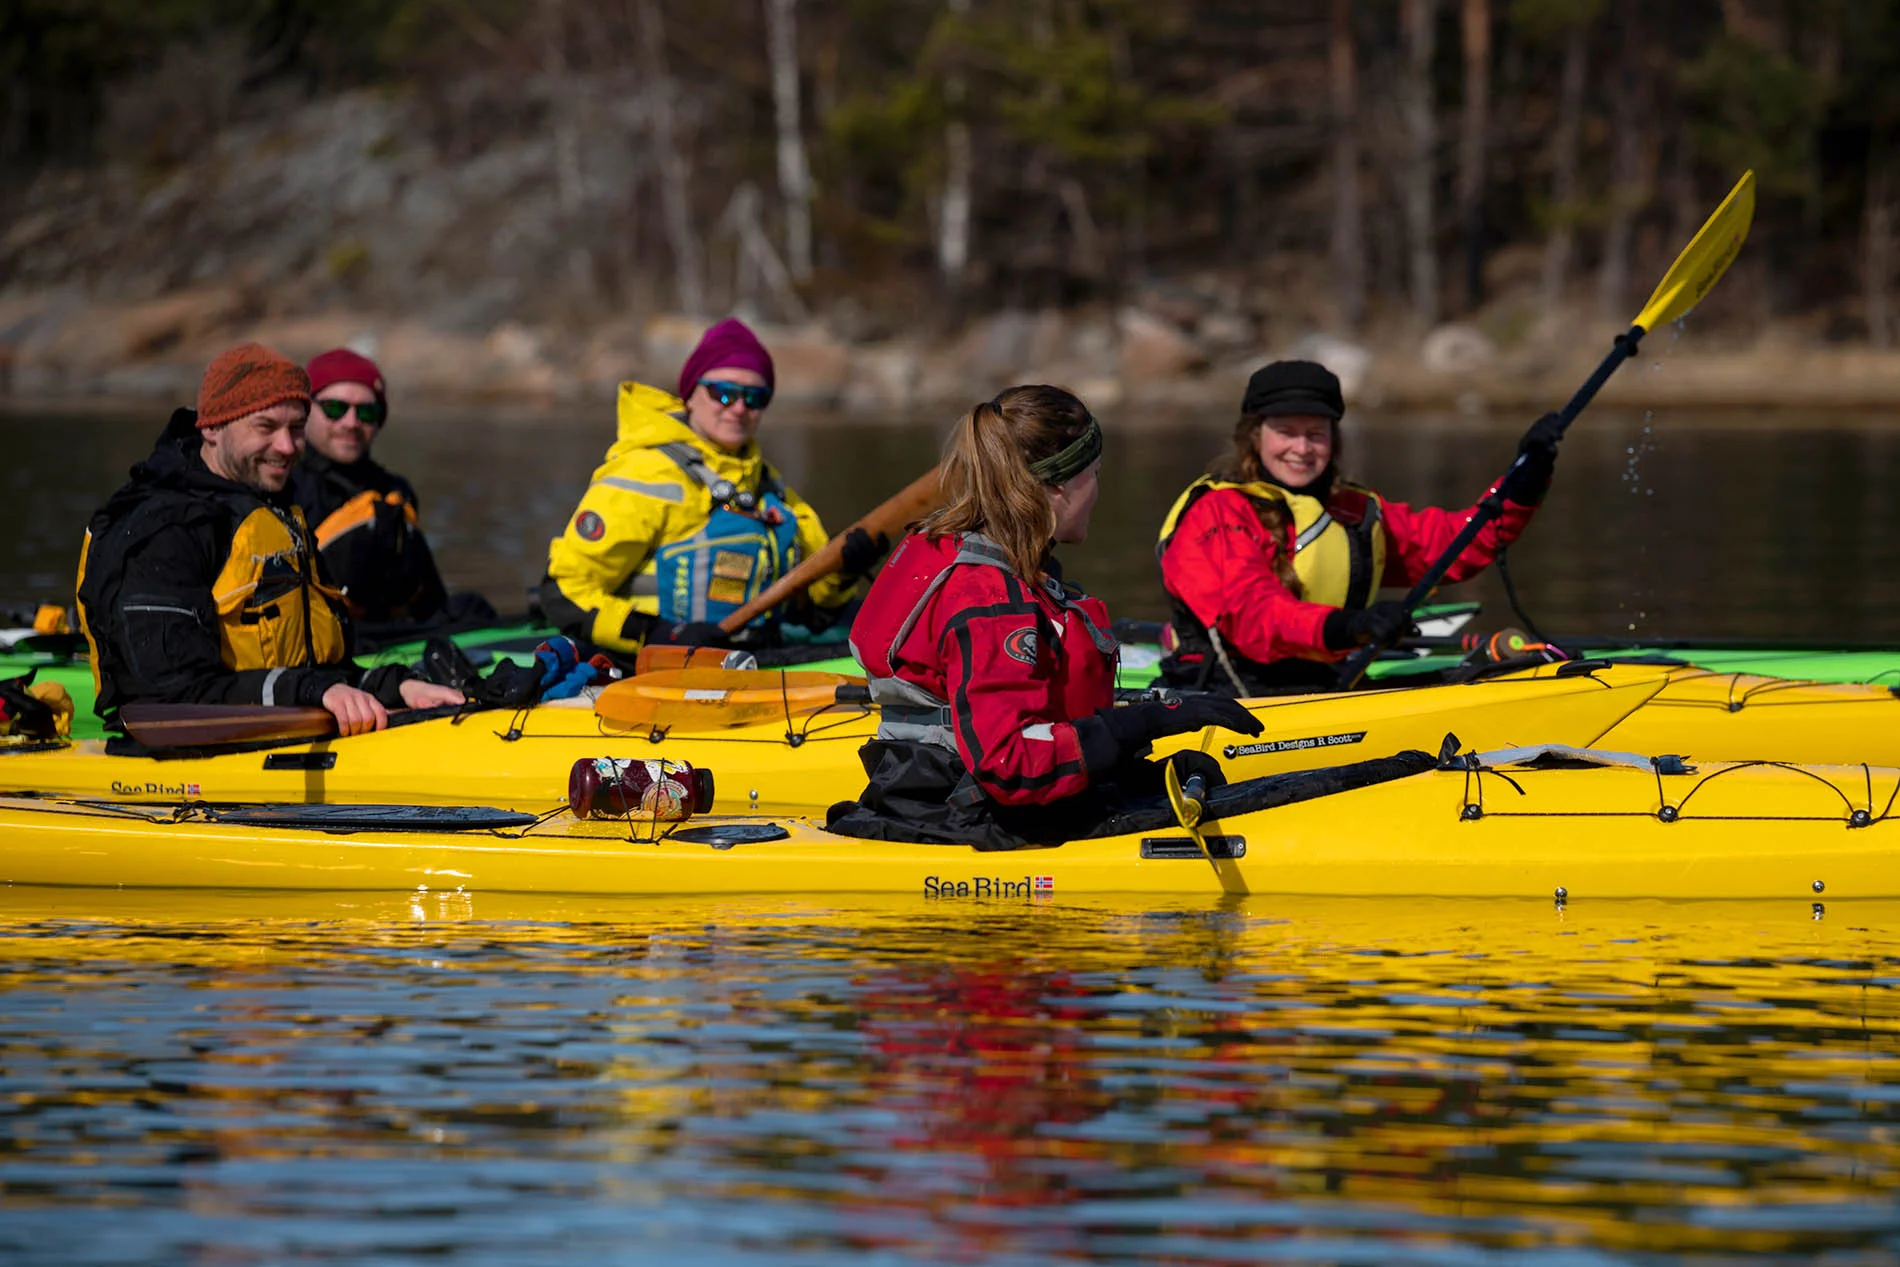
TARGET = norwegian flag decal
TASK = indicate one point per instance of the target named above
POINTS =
(1045, 884)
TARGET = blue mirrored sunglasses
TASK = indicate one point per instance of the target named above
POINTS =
(725, 393)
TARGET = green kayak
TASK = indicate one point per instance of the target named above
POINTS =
(62, 658)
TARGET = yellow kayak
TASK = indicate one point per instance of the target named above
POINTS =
(1706, 714)
(1517, 824)
(522, 760)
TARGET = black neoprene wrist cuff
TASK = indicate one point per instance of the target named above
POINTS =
(1536, 499)
(1334, 633)
(312, 683)
(385, 684)
(1100, 752)
(637, 627)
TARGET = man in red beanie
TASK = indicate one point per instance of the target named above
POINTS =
(199, 581)
(685, 521)
(366, 516)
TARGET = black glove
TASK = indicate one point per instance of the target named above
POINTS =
(509, 685)
(1187, 763)
(1381, 624)
(861, 552)
(446, 664)
(690, 633)
(1114, 735)
(1527, 483)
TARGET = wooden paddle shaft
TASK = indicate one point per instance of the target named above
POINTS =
(208, 725)
(920, 498)
(205, 725)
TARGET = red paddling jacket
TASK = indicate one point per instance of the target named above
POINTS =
(1218, 565)
(982, 678)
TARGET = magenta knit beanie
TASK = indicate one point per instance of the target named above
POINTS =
(727, 346)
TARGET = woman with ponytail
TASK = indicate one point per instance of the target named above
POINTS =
(996, 679)
(1272, 561)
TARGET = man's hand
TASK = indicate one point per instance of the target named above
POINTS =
(418, 693)
(357, 712)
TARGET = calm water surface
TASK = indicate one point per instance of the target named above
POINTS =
(1773, 526)
(247, 1079)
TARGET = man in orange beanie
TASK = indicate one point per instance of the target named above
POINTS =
(199, 581)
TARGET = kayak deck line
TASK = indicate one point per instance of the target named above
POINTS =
(1405, 830)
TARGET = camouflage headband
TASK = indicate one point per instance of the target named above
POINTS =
(1059, 468)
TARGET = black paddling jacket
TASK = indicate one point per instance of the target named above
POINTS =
(365, 517)
(195, 589)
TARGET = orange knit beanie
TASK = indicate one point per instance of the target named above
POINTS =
(248, 379)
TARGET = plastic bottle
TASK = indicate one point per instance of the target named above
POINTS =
(661, 791)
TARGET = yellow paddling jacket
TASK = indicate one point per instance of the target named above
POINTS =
(672, 528)
(196, 589)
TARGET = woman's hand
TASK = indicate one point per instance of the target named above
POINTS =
(1133, 727)
(1380, 625)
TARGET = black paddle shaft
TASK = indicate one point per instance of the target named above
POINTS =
(1354, 666)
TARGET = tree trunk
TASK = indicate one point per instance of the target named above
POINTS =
(1877, 250)
(689, 266)
(13, 135)
(1685, 208)
(1630, 178)
(1349, 230)
(953, 220)
(794, 174)
(565, 117)
(1419, 20)
(1563, 182)
(1472, 144)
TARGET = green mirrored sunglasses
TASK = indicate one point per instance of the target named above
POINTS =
(370, 415)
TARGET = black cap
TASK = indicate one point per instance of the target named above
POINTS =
(1294, 389)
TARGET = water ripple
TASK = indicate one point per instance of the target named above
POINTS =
(246, 1079)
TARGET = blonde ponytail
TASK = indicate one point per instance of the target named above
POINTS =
(987, 484)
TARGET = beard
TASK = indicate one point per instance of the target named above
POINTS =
(261, 472)
(265, 474)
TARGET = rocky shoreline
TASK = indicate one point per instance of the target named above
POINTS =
(62, 352)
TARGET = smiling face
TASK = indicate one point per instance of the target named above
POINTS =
(1073, 503)
(1295, 451)
(258, 449)
(347, 439)
(728, 426)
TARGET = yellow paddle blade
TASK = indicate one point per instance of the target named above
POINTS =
(712, 699)
(1186, 812)
(1704, 260)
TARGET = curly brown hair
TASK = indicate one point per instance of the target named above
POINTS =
(1241, 465)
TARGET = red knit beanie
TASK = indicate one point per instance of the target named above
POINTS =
(340, 365)
(248, 379)
(730, 345)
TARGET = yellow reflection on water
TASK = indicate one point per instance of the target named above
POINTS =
(980, 1079)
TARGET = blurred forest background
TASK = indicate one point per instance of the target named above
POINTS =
(922, 193)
